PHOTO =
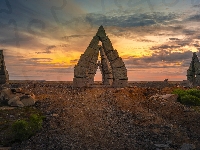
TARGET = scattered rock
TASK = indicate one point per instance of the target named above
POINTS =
(13, 100)
(5, 148)
(161, 145)
(186, 146)
(170, 97)
(29, 101)
(17, 90)
(166, 80)
(17, 104)
(15, 97)
(55, 115)
(6, 94)
(106, 118)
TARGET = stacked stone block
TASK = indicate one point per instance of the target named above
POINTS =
(193, 73)
(112, 66)
(86, 68)
(119, 70)
(4, 77)
(106, 70)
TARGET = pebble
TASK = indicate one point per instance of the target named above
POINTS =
(112, 120)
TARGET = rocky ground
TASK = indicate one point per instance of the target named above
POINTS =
(108, 118)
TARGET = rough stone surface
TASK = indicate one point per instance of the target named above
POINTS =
(170, 97)
(28, 101)
(193, 73)
(112, 67)
(16, 97)
(106, 70)
(6, 94)
(3, 72)
(13, 100)
(110, 118)
(17, 104)
(186, 146)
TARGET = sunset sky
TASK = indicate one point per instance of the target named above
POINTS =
(43, 39)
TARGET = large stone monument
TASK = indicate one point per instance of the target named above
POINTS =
(4, 78)
(114, 72)
(193, 73)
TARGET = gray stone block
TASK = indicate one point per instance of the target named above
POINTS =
(4, 77)
(120, 83)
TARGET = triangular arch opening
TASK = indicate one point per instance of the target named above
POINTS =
(112, 67)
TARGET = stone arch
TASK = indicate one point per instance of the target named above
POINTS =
(112, 66)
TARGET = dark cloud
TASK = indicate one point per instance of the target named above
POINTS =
(195, 17)
(35, 61)
(74, 61)
(73, 36)
(66, 69)
(11, 36)
(189, 31)
(196, 5)
(197, 37)
(47, 50)
(176, 27)
(162, 47)
(196, 45)
(160, 59)
(23, 23)
(7, 9)
(143, 40)
(174, 39)
(64, 45)
(50, 47)
(133, 20)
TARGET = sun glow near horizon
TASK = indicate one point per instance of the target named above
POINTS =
(153, 41)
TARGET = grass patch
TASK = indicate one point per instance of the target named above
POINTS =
(22, 129)
(188, 97)
(24, 121)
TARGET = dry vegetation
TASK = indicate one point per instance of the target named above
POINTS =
(107, 118)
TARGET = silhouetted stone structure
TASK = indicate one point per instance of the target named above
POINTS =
(112, 67)
(3, 72)
(193, 73)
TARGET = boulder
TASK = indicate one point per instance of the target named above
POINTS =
(16, 90)
(15, 97)
(28, 101)
(6, 94)
(186, 146)
(13, 100)
(170, 97)
(17, 104)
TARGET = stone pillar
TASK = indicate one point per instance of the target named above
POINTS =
(4, 77)
(86, 68)
(194, 70)
(119, 70)
(106, 70)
